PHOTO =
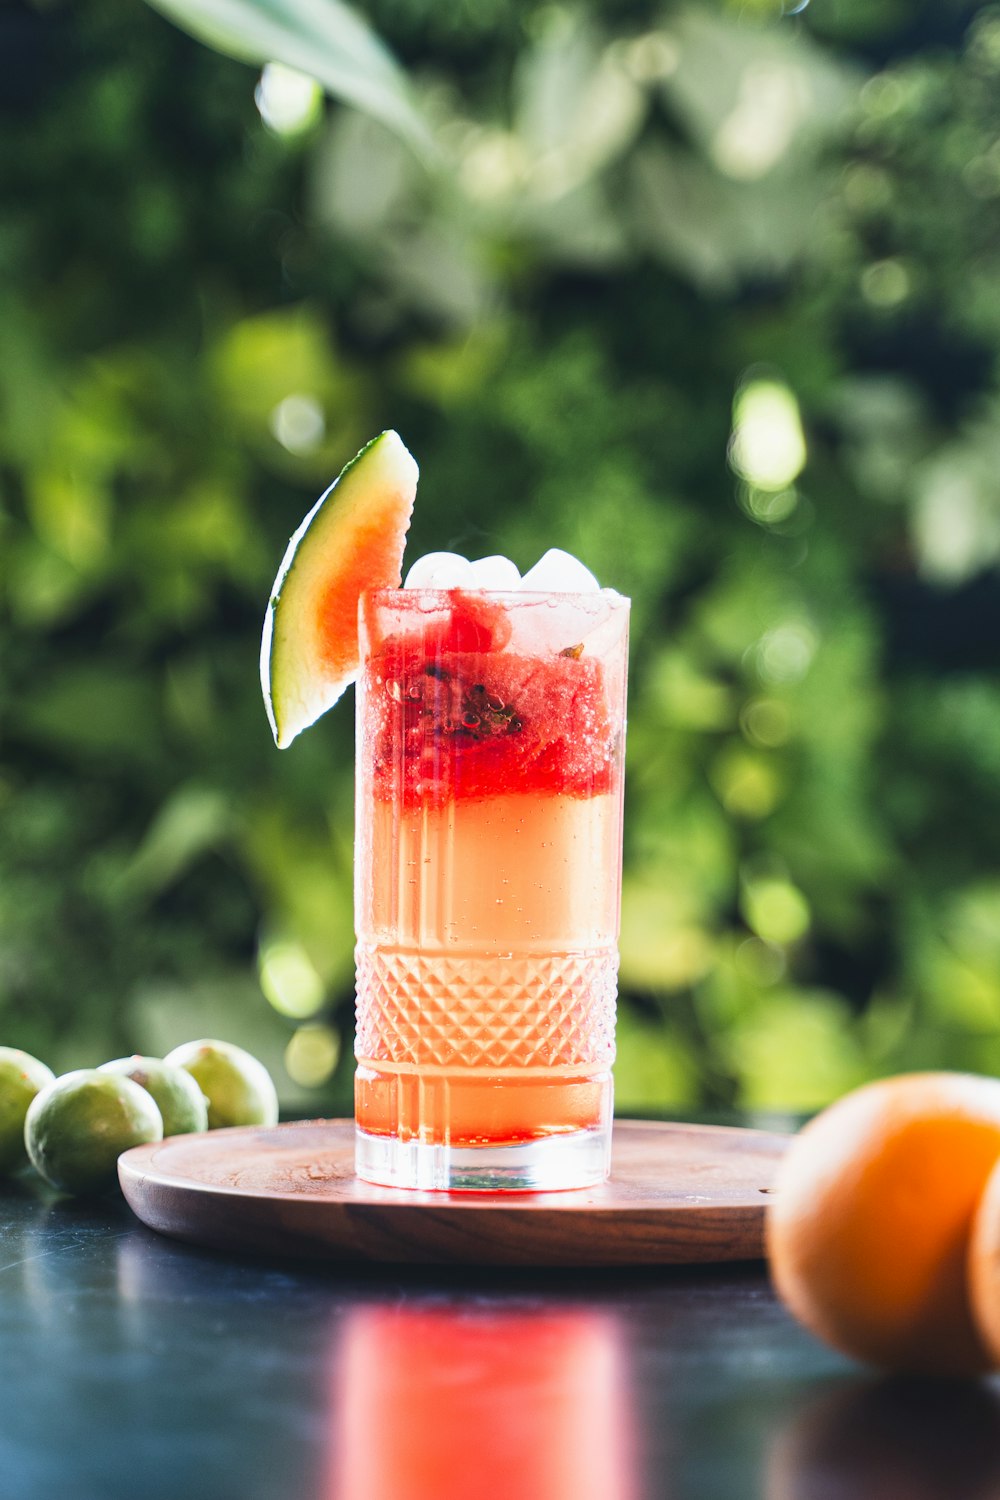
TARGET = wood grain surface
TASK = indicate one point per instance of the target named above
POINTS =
(678, 1195)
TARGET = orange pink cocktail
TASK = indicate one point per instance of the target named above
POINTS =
(490, 734)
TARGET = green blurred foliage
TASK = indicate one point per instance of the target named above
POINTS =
(706, 293)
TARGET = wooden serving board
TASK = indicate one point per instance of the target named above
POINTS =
(678, 1195)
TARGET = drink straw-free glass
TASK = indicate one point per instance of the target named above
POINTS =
(490, 737)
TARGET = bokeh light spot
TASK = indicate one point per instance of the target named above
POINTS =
(766, 722)
(760, 963)
(882, 96)
(288, 101)
(747, 785)
(768, 447)
(981, 175)
(785, 653)
(885, 283)
(298, 423)
(311, 1055)
(775, 909)
(289, 980)
(769, 507)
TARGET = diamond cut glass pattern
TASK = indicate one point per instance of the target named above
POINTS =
(495, 1013)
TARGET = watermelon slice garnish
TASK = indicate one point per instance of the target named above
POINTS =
(351, 540)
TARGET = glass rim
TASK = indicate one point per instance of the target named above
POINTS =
(608, 597)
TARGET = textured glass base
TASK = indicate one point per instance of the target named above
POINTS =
(578, 1159)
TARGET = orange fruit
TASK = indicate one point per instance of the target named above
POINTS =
(984, 1265)
(351, 540)
(868, 1230)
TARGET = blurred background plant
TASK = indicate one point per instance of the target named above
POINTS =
(707, 293)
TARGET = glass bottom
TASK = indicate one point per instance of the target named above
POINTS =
(577, 1159)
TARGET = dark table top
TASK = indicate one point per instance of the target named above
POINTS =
(131, 1366)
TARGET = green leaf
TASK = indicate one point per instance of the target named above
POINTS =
(323, 38)
(193, 820)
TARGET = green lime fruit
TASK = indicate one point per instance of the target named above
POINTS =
(77, 1127)
(238, 1088)
(21, 1077)
(179, 1099)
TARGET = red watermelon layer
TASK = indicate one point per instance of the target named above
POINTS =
(452, 716)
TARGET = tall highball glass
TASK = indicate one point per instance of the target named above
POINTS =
(490, 739)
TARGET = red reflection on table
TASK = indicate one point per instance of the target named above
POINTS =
(446, 1404)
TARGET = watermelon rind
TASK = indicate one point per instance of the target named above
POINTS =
(351, 540)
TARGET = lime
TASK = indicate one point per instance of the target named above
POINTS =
(78, 1126)
(21, 1077)
(179, 1099)
(238, 1087)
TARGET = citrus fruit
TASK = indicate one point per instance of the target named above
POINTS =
(21, 1077)
(238, 1087)
(179, 1099)
(77, 1127)
(868, 1228)
(984, 1265)
(351, 540)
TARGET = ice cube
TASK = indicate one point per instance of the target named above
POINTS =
(554, 622)
(559, 572)
(496, 573)
(441, 570)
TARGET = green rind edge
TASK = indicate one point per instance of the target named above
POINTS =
(300, 547)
